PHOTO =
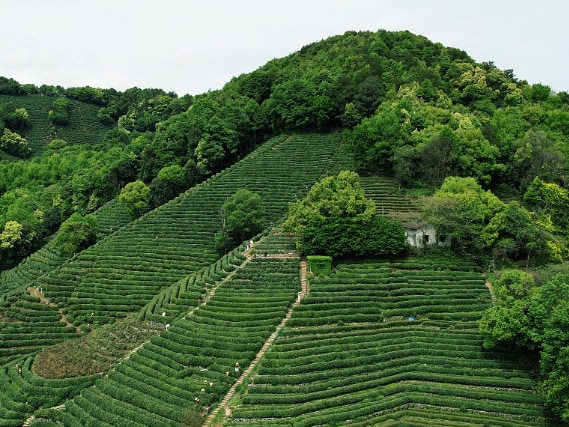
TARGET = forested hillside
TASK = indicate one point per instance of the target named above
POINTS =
(115, 204)
(411, 109)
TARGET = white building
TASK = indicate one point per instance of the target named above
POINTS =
(422, 235)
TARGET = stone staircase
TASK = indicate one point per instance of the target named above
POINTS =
(225, 401)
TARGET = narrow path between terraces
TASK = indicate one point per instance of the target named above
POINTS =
(304, 291)
(209, 295)
(38, 292)
(224, 403)
(488, 284)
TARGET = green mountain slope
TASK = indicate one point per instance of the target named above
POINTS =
(384, 103)
(83, 127)
(123, 272)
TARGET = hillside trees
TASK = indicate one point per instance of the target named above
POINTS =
(470, 120)
(215, 140)
(77, 232)
(551, 308)
(13, 122)
(551, 200)
(14, 144)
(16, 239)
(9, 86)
(301, 104)
(462, 212)
(537, 155)
(169, 145)
(339, 237)
(16, 119)
(242, 216)
(527, 317)
(506, 321)
(44, 191)
(336, 219)
(340, 196)
(524, 238)
(216, 130)
(432, 141)
(136, 197)
(481, 227)
(59, 115)
(140, 110)
(375, 140)
(170, 181)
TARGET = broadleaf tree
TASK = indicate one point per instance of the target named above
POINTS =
(136, 197)
(336, 219)
(527, 317)
(242, 217)
(76, 233)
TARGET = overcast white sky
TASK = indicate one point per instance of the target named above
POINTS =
(191, 46)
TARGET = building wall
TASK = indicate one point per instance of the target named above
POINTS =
(425, 235)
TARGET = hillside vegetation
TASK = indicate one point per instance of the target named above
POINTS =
(118, 305)
(389, 343)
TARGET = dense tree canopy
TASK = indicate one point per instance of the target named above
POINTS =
(242, 217)
(339, 237)
(479, 226)
(12, 143)
(16, 239)
(59, 115)
(462, 212)
(75, 234)
(550, 200)
(136, 197)
(336, 219)
(527, 317)
(341, 197)
(170, 181)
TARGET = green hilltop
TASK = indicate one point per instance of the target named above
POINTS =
(144, 320)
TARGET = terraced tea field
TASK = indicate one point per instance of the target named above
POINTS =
(388, 197)
(128, 268)
(378, 342)
(391, 202)
(389, 343)
(125, 271)
(196, 360)
(84, 127)
(29, 320)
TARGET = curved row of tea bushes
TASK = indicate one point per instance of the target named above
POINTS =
(276, 242)
(30, 323)
(376, 339)
(402, 294)
(28, 326)
(133, 265)
(15, 281)
(189, 291)
(23, 392)
(387, 195)
(198, 358)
